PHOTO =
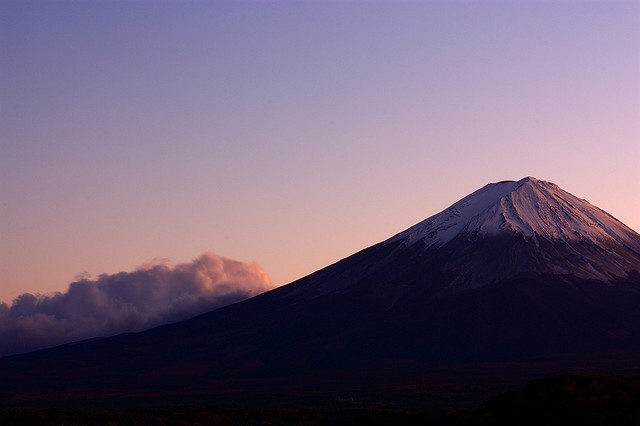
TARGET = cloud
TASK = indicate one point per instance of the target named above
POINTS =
(155, 293)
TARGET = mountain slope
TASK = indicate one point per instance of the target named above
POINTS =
(500, 231)
(529, 207)
(591, 243)
(516, 279)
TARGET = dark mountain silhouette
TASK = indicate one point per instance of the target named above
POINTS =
(515, 280)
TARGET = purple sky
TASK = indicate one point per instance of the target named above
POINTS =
(293, 134)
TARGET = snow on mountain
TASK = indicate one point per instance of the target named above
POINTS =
(444, 226)
(530, 207)
(565, 234)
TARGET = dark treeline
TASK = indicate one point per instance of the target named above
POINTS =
(566, 399)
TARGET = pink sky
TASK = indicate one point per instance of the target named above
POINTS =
(293, 134)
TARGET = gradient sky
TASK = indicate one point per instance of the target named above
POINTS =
(294, 133)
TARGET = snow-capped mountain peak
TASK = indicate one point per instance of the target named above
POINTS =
(444, 226)
(559, 232)
(530, 207)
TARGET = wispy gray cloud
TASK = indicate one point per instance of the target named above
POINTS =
(154, 294)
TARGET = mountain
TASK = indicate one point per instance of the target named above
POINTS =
(517, 279)
(500, 231)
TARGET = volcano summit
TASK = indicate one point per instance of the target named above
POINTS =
(548, 230)
(517, 279)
